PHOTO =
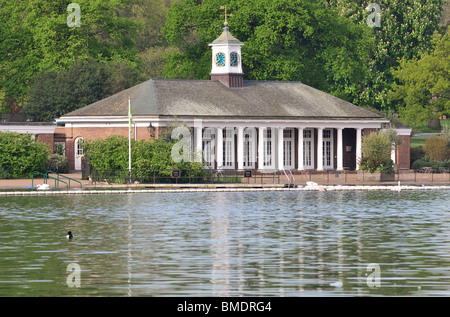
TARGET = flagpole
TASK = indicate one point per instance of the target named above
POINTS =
(130, 117)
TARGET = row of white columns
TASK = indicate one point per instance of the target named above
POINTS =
(280, 147)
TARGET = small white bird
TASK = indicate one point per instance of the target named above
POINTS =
(42, 187)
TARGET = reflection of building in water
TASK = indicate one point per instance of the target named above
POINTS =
(220, 252)
(275, 256)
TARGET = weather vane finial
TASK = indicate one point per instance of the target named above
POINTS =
(226, 15)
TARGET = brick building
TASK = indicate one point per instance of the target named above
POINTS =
(237, 124)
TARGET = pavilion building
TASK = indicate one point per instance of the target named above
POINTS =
(236, 123)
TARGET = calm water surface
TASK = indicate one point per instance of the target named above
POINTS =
(227, 244)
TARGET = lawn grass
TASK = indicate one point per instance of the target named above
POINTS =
(417, 141)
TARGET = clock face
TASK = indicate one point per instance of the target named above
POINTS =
(234, 59)
(220, 59)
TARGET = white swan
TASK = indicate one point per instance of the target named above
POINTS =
(42, 187)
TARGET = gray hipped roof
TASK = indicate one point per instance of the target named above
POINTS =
(210, 98)
(226, 37)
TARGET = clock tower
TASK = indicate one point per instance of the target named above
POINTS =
(226, 59)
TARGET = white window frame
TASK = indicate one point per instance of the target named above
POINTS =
(328, 148)
(288, 149)
(228, 148)
(208, 147)
(308, 149)
(63, 144)
(269, 148)
(250, 148)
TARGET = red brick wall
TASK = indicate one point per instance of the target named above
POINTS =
(97, 133)
(47, 138)
(403, 152)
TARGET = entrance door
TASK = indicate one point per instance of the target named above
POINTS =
(78, 152)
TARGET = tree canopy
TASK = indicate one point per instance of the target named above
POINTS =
(405, 31)
(423, 88)
(55, 93)
(295, 40)
(326, 44)
(36, 37)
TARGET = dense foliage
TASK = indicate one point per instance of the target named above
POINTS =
(376, 152)
(57, 163)
(423, 88)
(112, 153)
(35, 37)
(55, 93)
(325, 44)
(294, 40)
(436, 148)
(21, 155)
(405, 31)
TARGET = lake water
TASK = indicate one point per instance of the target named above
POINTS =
(227, 244)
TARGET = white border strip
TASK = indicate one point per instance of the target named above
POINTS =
(191, 190)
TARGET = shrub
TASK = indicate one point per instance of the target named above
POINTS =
(112, 153)
(436, 148)
(376, 152)
(57, 163)
(445, 132)
(20, 155)
(435, 165)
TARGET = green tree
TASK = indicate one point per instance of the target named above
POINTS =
(21, 155)
(423, 88)
(55, 93)
(295, 40)
(151, 44)
(406, 29)
(35, 37)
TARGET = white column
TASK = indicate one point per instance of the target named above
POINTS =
(358, 146)
(240, 148)
(300, 149)
(260, 148)
(320, 149)
(280, 149)
(198, 134)
(340, 148)
(219, 147)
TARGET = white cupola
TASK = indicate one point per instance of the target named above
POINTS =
(226, 59)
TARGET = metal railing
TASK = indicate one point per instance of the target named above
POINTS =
(46, 177)
(58, 176)
(181, 176)
(286, 177)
